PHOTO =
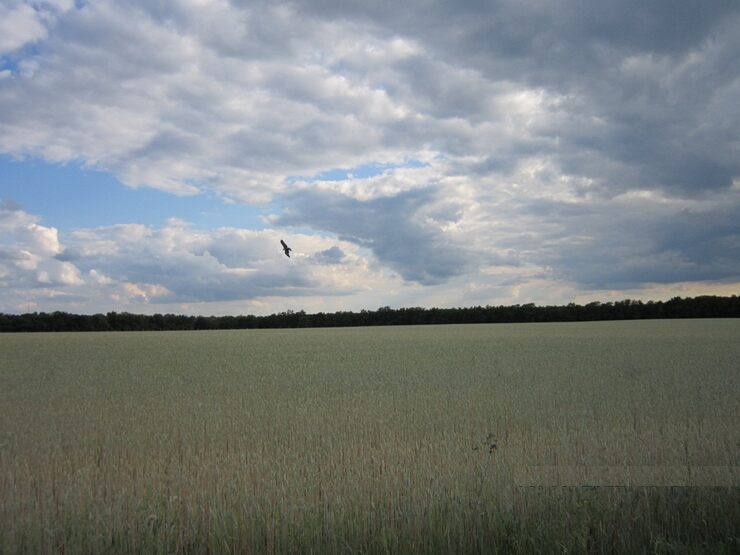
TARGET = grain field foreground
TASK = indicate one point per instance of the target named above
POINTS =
(585, 437)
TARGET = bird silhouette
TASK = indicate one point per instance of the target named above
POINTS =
(286, 248)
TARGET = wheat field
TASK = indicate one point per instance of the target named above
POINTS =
(592, 437)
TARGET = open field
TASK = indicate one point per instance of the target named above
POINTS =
(374, 439)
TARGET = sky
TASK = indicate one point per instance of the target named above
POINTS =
(417, 153)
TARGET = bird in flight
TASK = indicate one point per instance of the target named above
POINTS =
(286, 248)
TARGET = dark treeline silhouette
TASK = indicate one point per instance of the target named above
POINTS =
(697, 307)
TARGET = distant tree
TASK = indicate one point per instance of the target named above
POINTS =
(698, 307)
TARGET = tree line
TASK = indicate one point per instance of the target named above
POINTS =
(677, 307)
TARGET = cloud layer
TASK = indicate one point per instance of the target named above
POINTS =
(172, 267)
(540, 149)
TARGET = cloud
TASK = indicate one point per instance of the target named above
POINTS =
(558, 142)
(158, 98)
(19, 24)
(23, 23)
(28, 251)
(634, 88)
(333, 255)
(237, 98)
(148, 268)
(396, 230)
(637, 239)
(574, 252)
(179, 264)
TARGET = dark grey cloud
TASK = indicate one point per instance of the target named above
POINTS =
(332, 255)
(393, 228)
(604, 248)
(67, 255)
(486, 32)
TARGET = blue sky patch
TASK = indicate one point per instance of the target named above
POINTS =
(70, 196)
